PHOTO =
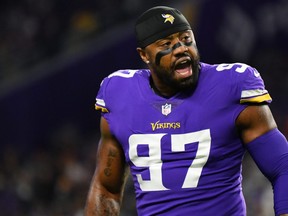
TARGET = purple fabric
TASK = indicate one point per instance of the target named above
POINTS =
(184, 152)
(270, 152)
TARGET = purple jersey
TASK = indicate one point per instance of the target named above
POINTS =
(184, 152)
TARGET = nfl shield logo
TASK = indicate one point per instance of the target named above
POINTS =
(166, 109)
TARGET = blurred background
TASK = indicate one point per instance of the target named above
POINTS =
(53, 56)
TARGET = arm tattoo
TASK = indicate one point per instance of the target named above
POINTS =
(106, 206)
(112, 154)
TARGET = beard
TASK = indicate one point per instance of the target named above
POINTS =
(188, 84)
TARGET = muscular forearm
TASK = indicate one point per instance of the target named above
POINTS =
(107, 186)
(102, 205)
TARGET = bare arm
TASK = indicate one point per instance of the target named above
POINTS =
(106, 190)
(255, 121)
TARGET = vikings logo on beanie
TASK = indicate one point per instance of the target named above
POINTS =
(159, 22)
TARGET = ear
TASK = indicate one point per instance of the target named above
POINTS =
(143, 55)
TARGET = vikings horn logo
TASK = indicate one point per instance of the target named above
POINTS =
(168, 18)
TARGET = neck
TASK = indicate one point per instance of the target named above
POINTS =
(163, 92)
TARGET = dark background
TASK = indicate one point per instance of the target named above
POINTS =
(53, 56)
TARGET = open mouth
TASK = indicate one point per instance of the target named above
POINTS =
(183, 67)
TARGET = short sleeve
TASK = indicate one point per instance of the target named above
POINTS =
(100, 98)
(252, 87)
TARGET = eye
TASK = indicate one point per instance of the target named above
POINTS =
(165, 44)
(187, 39)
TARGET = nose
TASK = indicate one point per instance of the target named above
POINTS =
(179, 48)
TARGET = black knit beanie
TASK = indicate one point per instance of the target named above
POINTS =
(159, 22)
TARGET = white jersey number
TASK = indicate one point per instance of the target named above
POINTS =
(153, 159)
(123, 73)
(240, 67)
